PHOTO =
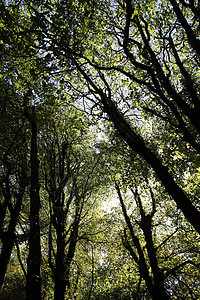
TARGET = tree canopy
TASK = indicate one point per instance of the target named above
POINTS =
(99, 149)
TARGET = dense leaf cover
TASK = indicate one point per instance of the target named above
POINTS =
(99, 149)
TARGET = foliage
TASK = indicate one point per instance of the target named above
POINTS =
(14, 286)
(114, 86)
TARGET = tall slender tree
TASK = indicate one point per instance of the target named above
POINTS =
(33, 286)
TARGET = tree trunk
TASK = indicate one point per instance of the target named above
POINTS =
(136, 143)
(192, 38)
(60, 269)
(60, 288)
(63, 261)
(8, 239)
(5, 256)
(157, 274)
(155, 288)
(33, 284)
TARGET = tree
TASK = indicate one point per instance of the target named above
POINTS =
(142, 63)
(126, 63)
(154, 230)
(33, 286)
(155, 286)
(156, 76)
(69, 168)
(14, 175)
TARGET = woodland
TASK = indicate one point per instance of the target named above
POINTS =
(99, 149)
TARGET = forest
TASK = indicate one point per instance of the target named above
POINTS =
(99, 149)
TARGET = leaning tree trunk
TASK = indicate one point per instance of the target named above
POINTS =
(8, 243)
(8, 237)
(137, 144)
